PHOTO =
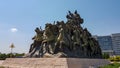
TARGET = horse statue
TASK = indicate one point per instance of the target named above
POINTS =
(35, 46)
(62, 41)
(48, 40)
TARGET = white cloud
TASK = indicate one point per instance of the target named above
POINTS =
(13, 29)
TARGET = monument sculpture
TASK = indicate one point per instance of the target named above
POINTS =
(61, 45)
(65, 39)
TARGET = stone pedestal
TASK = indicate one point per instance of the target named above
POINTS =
(53, 63)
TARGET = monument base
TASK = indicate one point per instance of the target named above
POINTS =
(54, 62)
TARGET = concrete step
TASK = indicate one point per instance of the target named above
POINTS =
(53, 62)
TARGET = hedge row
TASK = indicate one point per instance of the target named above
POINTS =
(4, 56)
(115, 58)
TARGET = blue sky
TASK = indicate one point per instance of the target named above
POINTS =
(19, 18)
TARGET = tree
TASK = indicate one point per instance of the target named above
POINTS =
(12, 46)
(3, 56)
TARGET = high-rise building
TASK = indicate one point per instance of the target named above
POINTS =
(105, 43)
(109, 44)
(116, 43)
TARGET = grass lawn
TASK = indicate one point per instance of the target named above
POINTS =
(113, 65)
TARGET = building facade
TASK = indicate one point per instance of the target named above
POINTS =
(105, 43)
(116, 43)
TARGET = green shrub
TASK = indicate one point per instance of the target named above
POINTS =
(19, 55)
(3, 56)
(10, 55)
(115, 58)
(114, 65)
(111, 58)
(105, 55)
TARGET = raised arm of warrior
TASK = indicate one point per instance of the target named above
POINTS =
(40, 28)
(70, 14)
(75, 12)
(36, 30)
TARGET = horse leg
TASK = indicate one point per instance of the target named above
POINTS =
(44, 48)
(31, 47)
(50, 49)
(61, 46)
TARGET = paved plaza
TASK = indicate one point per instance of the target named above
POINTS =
(1, 61)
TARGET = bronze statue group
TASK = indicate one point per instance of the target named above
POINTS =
(62, 39)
